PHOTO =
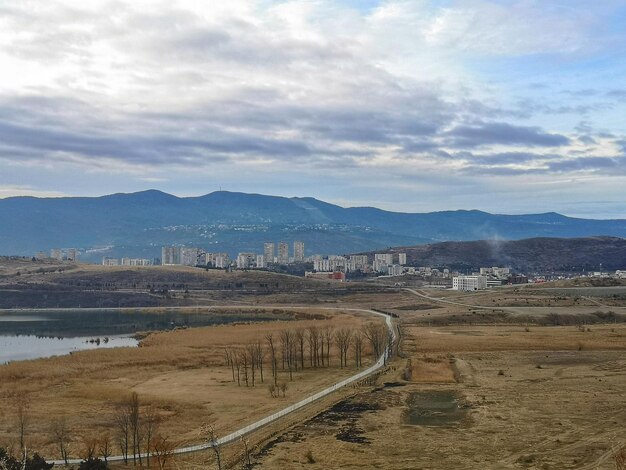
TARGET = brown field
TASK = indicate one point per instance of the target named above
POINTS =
(525, 400)
(182, 373)
(510, 378)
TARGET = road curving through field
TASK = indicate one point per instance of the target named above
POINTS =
(237, 435)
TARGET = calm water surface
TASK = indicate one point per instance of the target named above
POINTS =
(19, 348)
(34, 334)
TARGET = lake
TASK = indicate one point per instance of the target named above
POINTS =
(31, 334)
(21, 347)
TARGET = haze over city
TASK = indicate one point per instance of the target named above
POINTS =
(503, 106)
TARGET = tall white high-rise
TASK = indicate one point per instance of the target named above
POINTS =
(170, 255)
(268, 252)
(298, 251)
(283, 253)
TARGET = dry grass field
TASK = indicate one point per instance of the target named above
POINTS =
(509, 378)
(497, 398)
(181, 373)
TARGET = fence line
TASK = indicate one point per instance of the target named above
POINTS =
(236, 435)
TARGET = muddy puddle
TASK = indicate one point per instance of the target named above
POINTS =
(436, 408)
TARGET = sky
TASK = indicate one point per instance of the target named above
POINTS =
(507, 106)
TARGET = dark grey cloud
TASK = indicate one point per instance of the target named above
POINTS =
(598, 164)
(585, 92)
(141, 149)
(506, 158)
(503, 133)
(587, 140)
(501, 171)
(617, 95)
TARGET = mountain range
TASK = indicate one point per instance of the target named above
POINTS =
(138, 224)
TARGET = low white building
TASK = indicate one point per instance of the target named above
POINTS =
(495, 271)
(395, 270)
(106, 261)
(221, 260)
(469, 283)
(357, 262)
(246, 260)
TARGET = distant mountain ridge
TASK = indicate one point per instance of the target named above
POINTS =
(529, 255)
(138, 224)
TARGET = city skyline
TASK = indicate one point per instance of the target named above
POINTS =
(503, 106)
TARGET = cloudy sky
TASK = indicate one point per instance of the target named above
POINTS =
(508, 106)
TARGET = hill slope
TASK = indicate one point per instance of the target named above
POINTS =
(534, 254)
(138, 224)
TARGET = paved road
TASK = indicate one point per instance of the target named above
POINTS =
(236, 435)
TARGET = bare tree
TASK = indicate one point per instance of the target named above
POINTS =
(270, 341)
(60, 434)
(121, 419)
(207, 431)
(300, 340)
(243, 358)
(259, 355)
(328, 339)
(21, 404)
(88, 448)
(135, 425)
(230, 361)
(251, 354)
(376, 334)
(288, 352)
(105, 448)
(343, 338)
(358, 348)
(237, 360)
(313, 339)
(151, 421)
(163, 450)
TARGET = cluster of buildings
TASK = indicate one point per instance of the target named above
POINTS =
(58, 254)
(107, 261)
(279, 254)
(272, 254)
(487, 277)
(619, 274)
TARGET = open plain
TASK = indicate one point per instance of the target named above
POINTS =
(514, 377)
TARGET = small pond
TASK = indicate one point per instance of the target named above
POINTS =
(433, 408)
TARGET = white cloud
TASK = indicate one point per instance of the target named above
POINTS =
(286, 88)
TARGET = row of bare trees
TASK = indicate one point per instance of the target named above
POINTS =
(291, 350)
(134, 428)
(137, 432)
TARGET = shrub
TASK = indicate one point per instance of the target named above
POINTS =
(93, 463)
(309, 457)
